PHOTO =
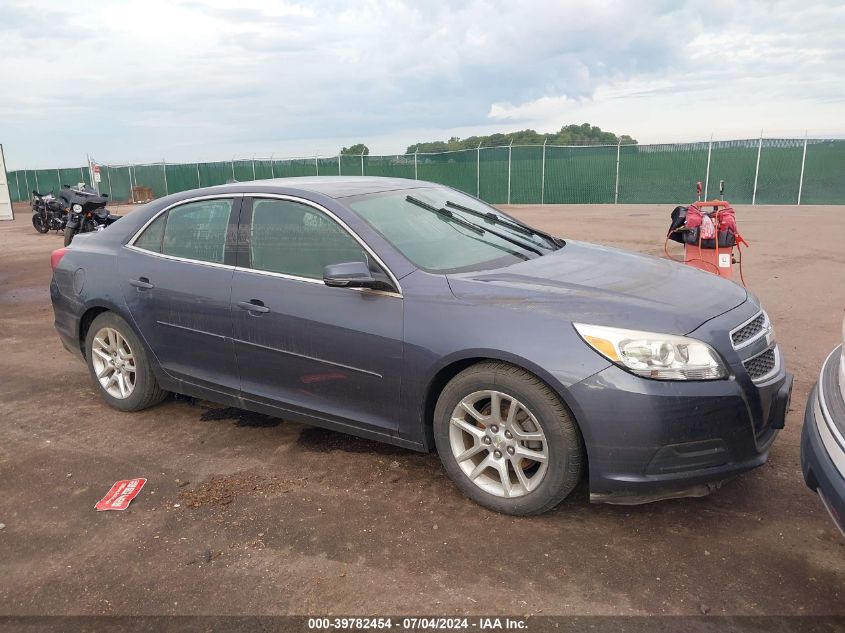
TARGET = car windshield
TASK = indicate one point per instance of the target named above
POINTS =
(430, 228)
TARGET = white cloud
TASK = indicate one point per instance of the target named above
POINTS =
(204, 80)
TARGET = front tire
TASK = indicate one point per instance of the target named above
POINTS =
(507, 440)
(119, 366)
(69, 233)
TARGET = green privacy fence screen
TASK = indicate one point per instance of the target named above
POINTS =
(756, 171)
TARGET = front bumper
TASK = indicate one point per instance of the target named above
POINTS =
(649, 440)
(822, 445)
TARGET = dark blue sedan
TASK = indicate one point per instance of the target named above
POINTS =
(413, 314)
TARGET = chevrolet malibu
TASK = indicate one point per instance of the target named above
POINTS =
(411, 313)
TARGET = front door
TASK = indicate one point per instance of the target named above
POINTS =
(177, 284)
(333, 353)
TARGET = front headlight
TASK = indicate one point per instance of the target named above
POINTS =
(77, 208)
(661, 356)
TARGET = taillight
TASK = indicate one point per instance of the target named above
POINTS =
(56, 256)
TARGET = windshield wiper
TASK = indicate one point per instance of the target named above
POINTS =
(515, 226)
(446, 213)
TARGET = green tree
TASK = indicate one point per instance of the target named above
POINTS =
(584, 134)
(355, 150)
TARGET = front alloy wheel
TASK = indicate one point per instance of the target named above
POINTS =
(507, 440)
(498, 443)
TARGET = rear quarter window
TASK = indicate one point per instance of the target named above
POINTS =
(196, 230)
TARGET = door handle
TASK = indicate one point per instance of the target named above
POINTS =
(142, 283)
(253, 305)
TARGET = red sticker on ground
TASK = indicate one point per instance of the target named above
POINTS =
(121, 493)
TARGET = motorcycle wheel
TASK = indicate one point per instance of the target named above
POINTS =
(69, 233)
(39, 224)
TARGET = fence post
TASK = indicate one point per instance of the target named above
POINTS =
(510, 148)
(416, 149)
(59, 178)
(233, 168)
(164, 171)
(616, 188)
(316, 164)
(110, 193)
(338, 165)
(26, 182)
(362, 162)
(803, 160)
(272, 167)
(757, 169)
(37, 188)
(478, 171)
(543, 174)
(253, 167)
(707, 174)
(199, 180)
(18, 184)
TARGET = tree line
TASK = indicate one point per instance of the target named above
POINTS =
(584, 134)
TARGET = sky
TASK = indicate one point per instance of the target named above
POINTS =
(184, 80)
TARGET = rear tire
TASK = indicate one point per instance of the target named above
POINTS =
(39, 224)
(69, 233)
(119, 365)
(524, 460)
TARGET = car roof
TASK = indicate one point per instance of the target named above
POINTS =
(330, 186)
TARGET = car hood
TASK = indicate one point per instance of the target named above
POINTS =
(605, 286)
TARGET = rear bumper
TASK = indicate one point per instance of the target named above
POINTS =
(649, 440)
(822, 446)
(65, 309)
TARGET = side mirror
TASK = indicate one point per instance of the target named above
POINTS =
(349, 275)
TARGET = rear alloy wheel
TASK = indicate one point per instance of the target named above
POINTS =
(118, 363)
(114, 363)
(507, 440)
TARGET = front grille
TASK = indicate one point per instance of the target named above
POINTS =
(749, 331)
(761, 365)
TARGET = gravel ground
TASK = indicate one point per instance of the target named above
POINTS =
(245, 514)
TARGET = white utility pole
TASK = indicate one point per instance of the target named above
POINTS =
(616, 188)
(803, 160)
(543, 174)
(478, 171)
(757, 169)
(164, 171)
(510, 150)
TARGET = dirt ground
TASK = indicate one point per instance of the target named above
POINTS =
(245, 514)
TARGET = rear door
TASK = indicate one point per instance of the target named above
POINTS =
(334, 353)
(177, 283)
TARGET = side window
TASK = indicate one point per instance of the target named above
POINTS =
(197, 230)
(295, 239)
(150, 239)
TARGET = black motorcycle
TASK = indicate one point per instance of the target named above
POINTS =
(48, 213)
(86, 211)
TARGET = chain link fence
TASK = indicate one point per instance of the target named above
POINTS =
(756, 171)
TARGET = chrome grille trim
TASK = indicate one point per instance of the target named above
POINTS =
(764, 365)
(751, 330)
